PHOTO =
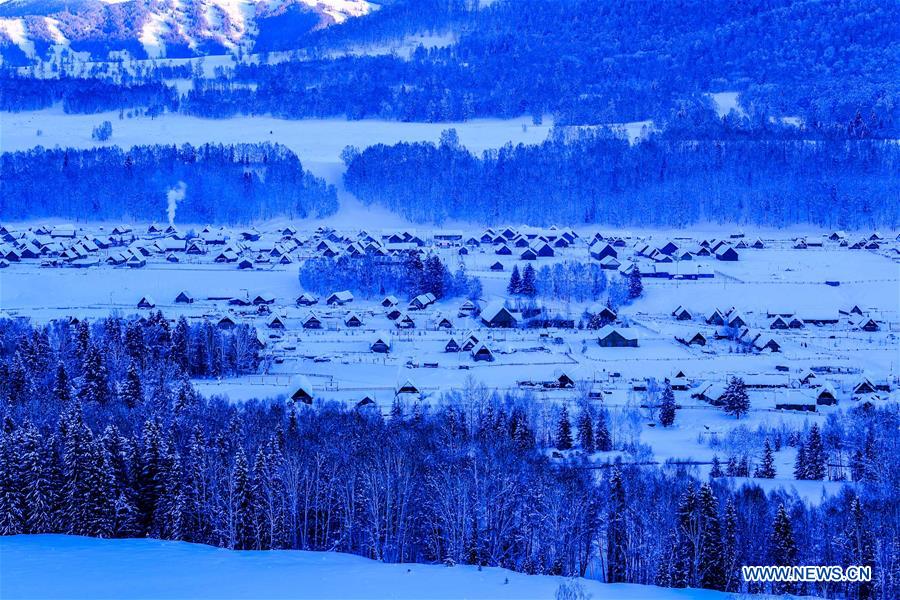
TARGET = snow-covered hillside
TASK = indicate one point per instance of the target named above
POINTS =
(146, 568)
(170, 27)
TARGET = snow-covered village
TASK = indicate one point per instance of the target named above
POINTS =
(422, 299)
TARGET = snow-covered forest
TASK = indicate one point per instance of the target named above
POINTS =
(131, 451)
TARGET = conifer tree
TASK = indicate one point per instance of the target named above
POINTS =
(62, 389)
(12, 501)
(730, 547)
(515, 282)
(782, 548)
(800, 464)
(36, 483)
(766, 467)
(95, 378)
(667, 406)
(635, 283)
(684, 569)
(815, 455)
(564, 430)
(528, 282)
(586, 430)
(132, 392)
(602, 438)
(716, 470)
(616, 530)
(711, 559)
(241, 503)
(737, 402)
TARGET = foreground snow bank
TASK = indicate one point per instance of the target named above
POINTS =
(59, 566)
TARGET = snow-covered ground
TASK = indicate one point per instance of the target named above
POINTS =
(318, 142)
(69, 567)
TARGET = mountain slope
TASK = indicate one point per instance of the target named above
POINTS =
(157, 28)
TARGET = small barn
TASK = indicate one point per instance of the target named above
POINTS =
(146, 302)
(482, 353)
(694, 338)
(301, 389)
(276, 323)
(497, 266)
(497, 315)
(382, 343)
(352, 320)
(451, 346)
(306, 299)
(406, 386)
(225, 322)
(826, 396)
(726, 253)
(682, 314)
(245, 264)
(795, 399)
(614, 337)
(404, 321)
(339, 298)
(311, 321)
(390, 301)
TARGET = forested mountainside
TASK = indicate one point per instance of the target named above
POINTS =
(153, 28)
(596, 61)
(214, 183)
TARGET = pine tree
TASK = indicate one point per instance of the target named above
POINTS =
(800, 464)
(12, 500)
(95, 378)
(815, 455)
(737, 402)
(766, 467)
(861, 546)
(684, 569)
(62, 389)
(732, 469)
(586, 430)
(36, 484)
(602, 439)
(564, 430)
(616, 531)
(515, 282)
(635, 283)
(783, 550)
(241, 503)
(667, 406)
(711, 559)
(132, 392)
(730, 547)
(528, 282)
(716, 470)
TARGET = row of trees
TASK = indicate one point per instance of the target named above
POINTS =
(596, 177)
(227, 184)
(370, 276)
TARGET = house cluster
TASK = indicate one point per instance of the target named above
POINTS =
(873, 241)
(805, 392)
(730, 324)
(674, 259)
(855, 317)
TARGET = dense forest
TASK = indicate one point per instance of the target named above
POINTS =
(583, 61)
(103, 435)
(596, 177)
(222, 184)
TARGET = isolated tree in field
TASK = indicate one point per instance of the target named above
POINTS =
(564, 430)
(515, 282)
(528, 282)
(766, 467)
(737, 402)
(635, 284)
(782, 548)
(667, 406)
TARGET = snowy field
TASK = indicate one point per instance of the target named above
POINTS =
(318, 142)
(68, 567)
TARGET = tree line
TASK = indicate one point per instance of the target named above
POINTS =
(222, 183)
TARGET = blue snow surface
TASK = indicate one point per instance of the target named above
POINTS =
(62, 567)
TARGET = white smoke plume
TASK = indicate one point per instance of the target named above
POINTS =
(174, 196)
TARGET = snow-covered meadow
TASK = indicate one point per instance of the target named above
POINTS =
(94, 569)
